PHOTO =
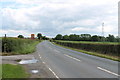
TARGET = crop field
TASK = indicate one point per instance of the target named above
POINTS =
(89, 42)
(18, 46)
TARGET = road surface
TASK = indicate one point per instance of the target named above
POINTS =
(66, 63)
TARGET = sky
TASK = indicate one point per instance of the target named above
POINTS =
(52, 17)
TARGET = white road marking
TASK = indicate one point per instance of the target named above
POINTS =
(53, 72)
(51, 44)
(50, 47)
(72, 57)
(40, 56)
(50, 69)
(44, 63)
(108, 71)
(57, 51)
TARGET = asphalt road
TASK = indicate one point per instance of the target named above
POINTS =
(66, 63)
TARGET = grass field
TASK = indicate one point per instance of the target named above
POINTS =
(89, 42)
(18, 46)
(0, 71)
(115, 58)
(13, 71)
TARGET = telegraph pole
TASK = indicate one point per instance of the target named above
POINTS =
(5, 35)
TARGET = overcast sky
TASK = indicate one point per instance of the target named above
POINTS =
(51, 17)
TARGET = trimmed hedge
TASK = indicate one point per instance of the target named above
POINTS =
(109, 49)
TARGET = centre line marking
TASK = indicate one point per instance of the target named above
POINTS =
(56, 51)
(44, 63)
(108, 71)
(39, 56)
(72, 57)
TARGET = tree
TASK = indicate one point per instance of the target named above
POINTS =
(117, 39)
(20, 36)
(102, 38)
(59, 37)
(65, 37)
(39, 35)
(45, 38)
(111, 38)
(85, 37)
(74, 37)
(95, 38)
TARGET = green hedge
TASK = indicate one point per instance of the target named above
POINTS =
(16, 45)
(109, 49)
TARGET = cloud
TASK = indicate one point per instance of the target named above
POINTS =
(59, 16)
(14, 33)
(96, 29)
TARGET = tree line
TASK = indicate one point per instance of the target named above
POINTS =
(39, 36)
(87, 37)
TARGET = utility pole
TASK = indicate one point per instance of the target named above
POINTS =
(5, 35)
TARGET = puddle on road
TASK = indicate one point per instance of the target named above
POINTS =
(34, 71)
(28, 61)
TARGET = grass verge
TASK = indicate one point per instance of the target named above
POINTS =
(0, 71)
(13, 71)
(27, 48)
(115, 58)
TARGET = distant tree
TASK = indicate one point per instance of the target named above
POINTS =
(65, 37)
(101, 39)
(95, 38)
(20, 36)
(39, 35)
(85, 37)
(59, 37)
(74, 37)
(45, 38)
(117, 39)
(111, 38)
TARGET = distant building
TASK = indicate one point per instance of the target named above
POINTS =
(32, 36)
